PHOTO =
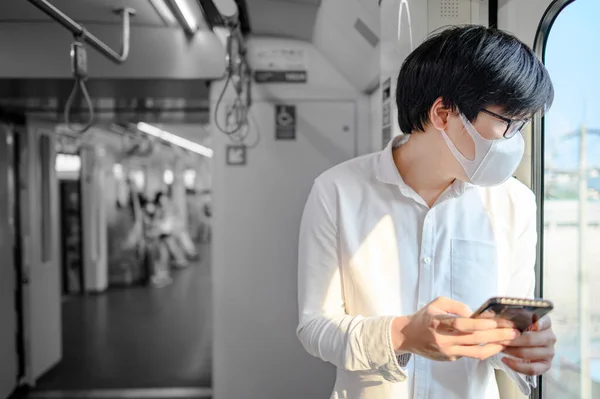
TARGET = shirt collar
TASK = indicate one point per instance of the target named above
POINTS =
(387, 172)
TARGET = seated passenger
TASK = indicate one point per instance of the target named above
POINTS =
(171, 229)
(396, 248)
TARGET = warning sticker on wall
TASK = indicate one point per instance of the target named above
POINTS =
(386, 89)
(386, 112)
(285, 122)
(280, 76)
(280, 65)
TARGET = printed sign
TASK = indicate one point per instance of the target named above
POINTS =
(281, 59)
(236, 155)
(387, 114)
(280, 76)
(386, 89)
(281, 65)
(285, 122)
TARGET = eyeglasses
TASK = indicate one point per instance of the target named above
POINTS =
(513, 126)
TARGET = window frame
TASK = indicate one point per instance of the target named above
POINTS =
(537, 154)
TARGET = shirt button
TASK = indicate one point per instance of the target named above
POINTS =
(427, 260)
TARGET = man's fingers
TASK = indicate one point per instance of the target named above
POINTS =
(467, 325)
(451, 306)
(540, 353)
(497, 336)
(542, 324)
(534, 338)
(480, 352)
(520, 366)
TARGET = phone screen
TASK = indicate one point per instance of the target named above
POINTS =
(514, 316)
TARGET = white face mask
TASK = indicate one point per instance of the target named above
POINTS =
(495, 160)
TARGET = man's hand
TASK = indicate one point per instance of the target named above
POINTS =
(444, 331)
(534, 349)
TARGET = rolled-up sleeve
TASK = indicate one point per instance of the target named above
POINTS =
(353, 343)
(522, 283)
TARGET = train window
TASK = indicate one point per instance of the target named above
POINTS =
(168, 177)
(46, 205)
(189, 178)
(67, 163)
(139, 178)
(571, 200)
(118, 171)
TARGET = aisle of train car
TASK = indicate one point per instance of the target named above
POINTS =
(137, 337)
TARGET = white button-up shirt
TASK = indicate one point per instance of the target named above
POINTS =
(371, 249)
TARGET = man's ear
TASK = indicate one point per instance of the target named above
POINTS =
(438, 114)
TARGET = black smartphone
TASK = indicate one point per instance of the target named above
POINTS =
(516, 313)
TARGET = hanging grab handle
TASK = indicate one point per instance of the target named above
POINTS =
(79, 70)
(78, 30)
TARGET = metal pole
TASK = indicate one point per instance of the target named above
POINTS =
(92, 40)
(584, 316)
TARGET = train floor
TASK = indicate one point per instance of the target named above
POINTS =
(138, 337)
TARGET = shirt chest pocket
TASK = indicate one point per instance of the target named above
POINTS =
(474, 271)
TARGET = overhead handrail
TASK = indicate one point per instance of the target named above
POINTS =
(79, 55)
(79, 31)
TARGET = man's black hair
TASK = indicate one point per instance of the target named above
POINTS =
(471, 67)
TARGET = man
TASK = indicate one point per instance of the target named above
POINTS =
(397, 247)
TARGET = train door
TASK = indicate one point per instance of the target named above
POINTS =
(93, 221)
(9, 324)
(71, 233)
(38, 196)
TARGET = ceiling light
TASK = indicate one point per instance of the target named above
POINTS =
(174, 139)
(139, 178)
(164, 12)
(189, 178)
(118, 171)
(185, 15)
(168, 177)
